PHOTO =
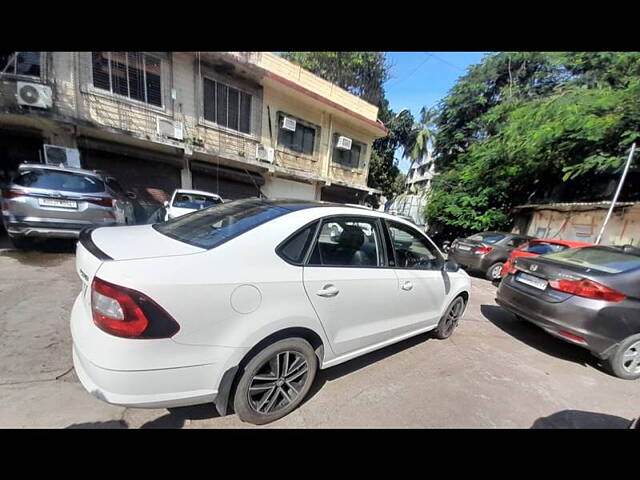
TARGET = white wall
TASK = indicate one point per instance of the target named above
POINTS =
(281, 188)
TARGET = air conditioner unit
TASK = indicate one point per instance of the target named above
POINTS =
(344, 143)
(169, 129)
(34, 95)
(265, 153)
(289, 124)
(55, 155)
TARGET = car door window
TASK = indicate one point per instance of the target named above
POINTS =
(294, 248)
(412, 250)
(348, 242)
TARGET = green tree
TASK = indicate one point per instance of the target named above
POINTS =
(566, 117)
(360, 73)
(423, 135)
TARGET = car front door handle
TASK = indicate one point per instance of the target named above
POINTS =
(407, 286)
(328, 291)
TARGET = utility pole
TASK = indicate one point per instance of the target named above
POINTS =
(615, 197)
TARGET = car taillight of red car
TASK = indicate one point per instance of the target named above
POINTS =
(127, 313)
(588, 289)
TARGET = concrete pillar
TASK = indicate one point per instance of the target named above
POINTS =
(186, 179)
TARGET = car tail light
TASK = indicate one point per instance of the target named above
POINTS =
(588, 289)
(103, 202)
(483, 250)
(124, 312)
(7, 194)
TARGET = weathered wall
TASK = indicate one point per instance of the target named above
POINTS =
(623, 227)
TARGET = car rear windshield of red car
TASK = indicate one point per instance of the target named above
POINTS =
(542, 248)
(603, 259)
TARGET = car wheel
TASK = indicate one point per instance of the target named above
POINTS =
(450, 319)
(625, 361)
(275, 381)
(493, 273)
(21, 243)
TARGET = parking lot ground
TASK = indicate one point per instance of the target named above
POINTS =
(495, 371)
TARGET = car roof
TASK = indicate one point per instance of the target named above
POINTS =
(196, 192)
(568, 243)
(27, 166)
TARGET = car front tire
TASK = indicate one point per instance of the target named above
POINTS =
(625, 361)
(450, 319)
(275, 381)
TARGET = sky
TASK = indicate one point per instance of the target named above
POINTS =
(422, 79)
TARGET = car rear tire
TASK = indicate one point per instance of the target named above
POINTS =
(493, 272)
(275, 381)
(625, 361)
(450, 319)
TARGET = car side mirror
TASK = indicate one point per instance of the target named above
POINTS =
(451, 266)
(131, 195)
(166, 204)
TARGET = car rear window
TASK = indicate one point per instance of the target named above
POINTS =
(542, 248)
(195, 202)
(604, 259)
(487, 237)
(56, 180)
(215, 225)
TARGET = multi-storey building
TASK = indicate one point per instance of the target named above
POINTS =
(240, 124)
(421, 173)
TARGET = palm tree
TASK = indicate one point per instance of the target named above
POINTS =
(422, 137)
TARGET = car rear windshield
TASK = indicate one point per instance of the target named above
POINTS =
(195, 202)
(487, 237)
(56, 180)
(542, 248)
(607, 260)
(215, 225)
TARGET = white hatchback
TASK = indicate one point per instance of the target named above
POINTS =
(187, 201)
(240, 304)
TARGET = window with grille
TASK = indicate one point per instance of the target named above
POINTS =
(20, 63)
(227, 106)
(347, 158)
(131, 74)
(300, 141)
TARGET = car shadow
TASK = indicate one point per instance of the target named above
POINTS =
(118, 424)
(581, 419)
(536, 337)
(177, 417)
(333, 373)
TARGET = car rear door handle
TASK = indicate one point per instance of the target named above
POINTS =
(328, 291)
(407, 285)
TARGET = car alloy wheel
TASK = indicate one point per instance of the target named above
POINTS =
(450, 320)
(631, 359)
(278, 382)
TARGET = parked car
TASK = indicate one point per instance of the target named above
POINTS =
(587, 296)
(486, 252)
(241, 303)
(537, 247)
(47, 201)
(187, 201)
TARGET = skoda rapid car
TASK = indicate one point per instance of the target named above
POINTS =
(240, 304)
(588, 296)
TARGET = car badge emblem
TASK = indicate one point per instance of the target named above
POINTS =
(533, 268)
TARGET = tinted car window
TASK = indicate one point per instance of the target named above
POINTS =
(542, 248)
(348, 242)
(56, 180)
(604, 259)
(210, 227)
(295, 248)
(487, 237)
(413, 250)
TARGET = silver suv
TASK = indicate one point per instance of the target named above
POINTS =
(48, 201)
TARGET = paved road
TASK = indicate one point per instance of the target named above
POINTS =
(494, 372)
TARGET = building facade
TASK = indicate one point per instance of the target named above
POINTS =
(240, 124)
(421, 173)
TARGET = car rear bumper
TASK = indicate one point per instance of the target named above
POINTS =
(50, 229)
(146, 373)
(575, 316)
(470, 260)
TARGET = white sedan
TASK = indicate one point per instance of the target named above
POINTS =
(240, 304)
(187, 201)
